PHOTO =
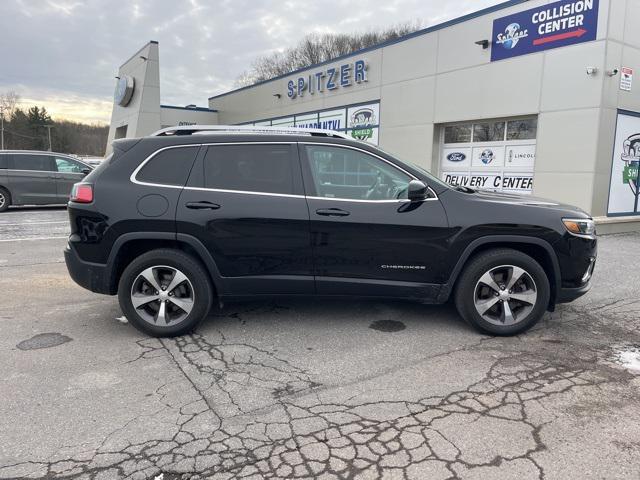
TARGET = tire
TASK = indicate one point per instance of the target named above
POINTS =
(509, 311)
(186, 303)
(5, 199)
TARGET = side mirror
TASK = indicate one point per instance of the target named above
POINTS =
(86, 171)
(417, 190)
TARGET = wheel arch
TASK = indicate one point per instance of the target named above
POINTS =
(537, 248)
(130, 245)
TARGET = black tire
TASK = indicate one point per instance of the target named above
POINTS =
(495, 261)
(5, 199)
(198, 284)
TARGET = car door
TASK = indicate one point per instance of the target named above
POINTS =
(32, 179)
(245, 203)
(68, 173)
(367, 238)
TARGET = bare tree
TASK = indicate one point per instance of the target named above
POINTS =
(8, 103)
(317, 48)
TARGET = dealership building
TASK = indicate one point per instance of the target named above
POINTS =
(532, 97)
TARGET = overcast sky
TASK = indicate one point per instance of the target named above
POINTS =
(64, 54)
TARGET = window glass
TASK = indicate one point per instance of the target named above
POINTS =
(457, 133)
(525, 129)
(41, 163)
(351, 174)
(3, 161)
(68, 166)
(251, 168)
(169, 167)
(488, 132)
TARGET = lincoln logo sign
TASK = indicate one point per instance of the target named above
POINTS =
(331, 78)
(558, 24)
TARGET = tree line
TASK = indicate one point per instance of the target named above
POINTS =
(318, 48)
(29, 130)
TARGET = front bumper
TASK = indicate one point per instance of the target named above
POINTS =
(566, 295)
(92, 276)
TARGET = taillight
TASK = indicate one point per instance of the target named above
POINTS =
(82, 193)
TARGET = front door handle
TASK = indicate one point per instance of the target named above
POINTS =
(202, 205)
(332, 212)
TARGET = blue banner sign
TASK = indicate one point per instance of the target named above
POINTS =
(558, 24)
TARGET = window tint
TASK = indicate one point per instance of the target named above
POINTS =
(488, 132)
(457, 134)
(4, 161)
(525, 129)
(251, 168)
(43, 163)
(169, 167)
(65, 165)
(351, 174)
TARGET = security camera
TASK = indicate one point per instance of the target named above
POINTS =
(613, 72)
(592, 70)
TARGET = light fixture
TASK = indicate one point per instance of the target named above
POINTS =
(483, 43)
(592, 71)
(277, 95)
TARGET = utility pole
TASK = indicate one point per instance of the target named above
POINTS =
(48, 127)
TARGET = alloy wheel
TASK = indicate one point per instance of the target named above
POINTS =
(505, 295)
(162, 296)
(2, 199)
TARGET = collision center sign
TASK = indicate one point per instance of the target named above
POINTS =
(559, 24)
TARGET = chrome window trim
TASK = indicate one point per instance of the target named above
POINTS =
(134, 174)
(393, 165)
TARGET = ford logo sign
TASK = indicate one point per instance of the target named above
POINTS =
(456, 157)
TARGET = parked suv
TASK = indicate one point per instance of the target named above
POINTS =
(192, 215)
(37, 178)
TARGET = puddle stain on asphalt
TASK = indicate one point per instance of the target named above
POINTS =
(43, 340)
(387, 326)
(629, 357)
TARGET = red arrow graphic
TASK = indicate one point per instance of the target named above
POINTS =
(560, 36)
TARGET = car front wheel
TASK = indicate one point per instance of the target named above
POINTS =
(502, 292)
(165, 293)
(5, 199)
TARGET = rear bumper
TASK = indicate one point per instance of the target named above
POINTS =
(92, 276)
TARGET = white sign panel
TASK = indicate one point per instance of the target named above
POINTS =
(456, 157)
(520, 156)
(362, 120)
(623, 189)
(488, 156)
(626, 78)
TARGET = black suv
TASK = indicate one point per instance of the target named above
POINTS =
(174, 221)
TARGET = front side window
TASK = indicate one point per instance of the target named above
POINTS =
(41, 163)
(266, 168)
(169, 167)
(68, 166)
(354, 175)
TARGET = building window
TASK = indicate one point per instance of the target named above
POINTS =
(496, 155)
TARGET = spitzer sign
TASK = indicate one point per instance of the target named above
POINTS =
(558, 24)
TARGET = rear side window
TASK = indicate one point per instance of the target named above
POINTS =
(41, 163)
(169, 167)
(4, 161)
(264, 168)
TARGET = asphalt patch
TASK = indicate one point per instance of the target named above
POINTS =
(387, 326)
(43, 340)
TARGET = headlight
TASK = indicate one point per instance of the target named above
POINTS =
(580, 226)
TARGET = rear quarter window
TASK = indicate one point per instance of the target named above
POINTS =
(4, 161)
(168, 167)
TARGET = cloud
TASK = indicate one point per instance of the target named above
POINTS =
(64, 54)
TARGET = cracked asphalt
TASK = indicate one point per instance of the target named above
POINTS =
(311, 389)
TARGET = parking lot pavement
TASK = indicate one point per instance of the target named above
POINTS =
(324, 389)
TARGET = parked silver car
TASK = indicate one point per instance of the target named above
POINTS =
(37, 178)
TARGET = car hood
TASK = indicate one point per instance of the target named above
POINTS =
(524, 200)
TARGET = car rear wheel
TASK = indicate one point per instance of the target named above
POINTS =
(502, 292)
(5, 199)
(165, 293)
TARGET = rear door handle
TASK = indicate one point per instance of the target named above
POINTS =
(332, 212)
(202, 205)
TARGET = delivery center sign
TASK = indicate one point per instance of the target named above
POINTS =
(558, 24)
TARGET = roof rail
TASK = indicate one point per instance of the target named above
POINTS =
(207, 129)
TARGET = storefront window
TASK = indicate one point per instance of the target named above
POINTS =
(488, 132)
(457, 134)
(525, 129)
